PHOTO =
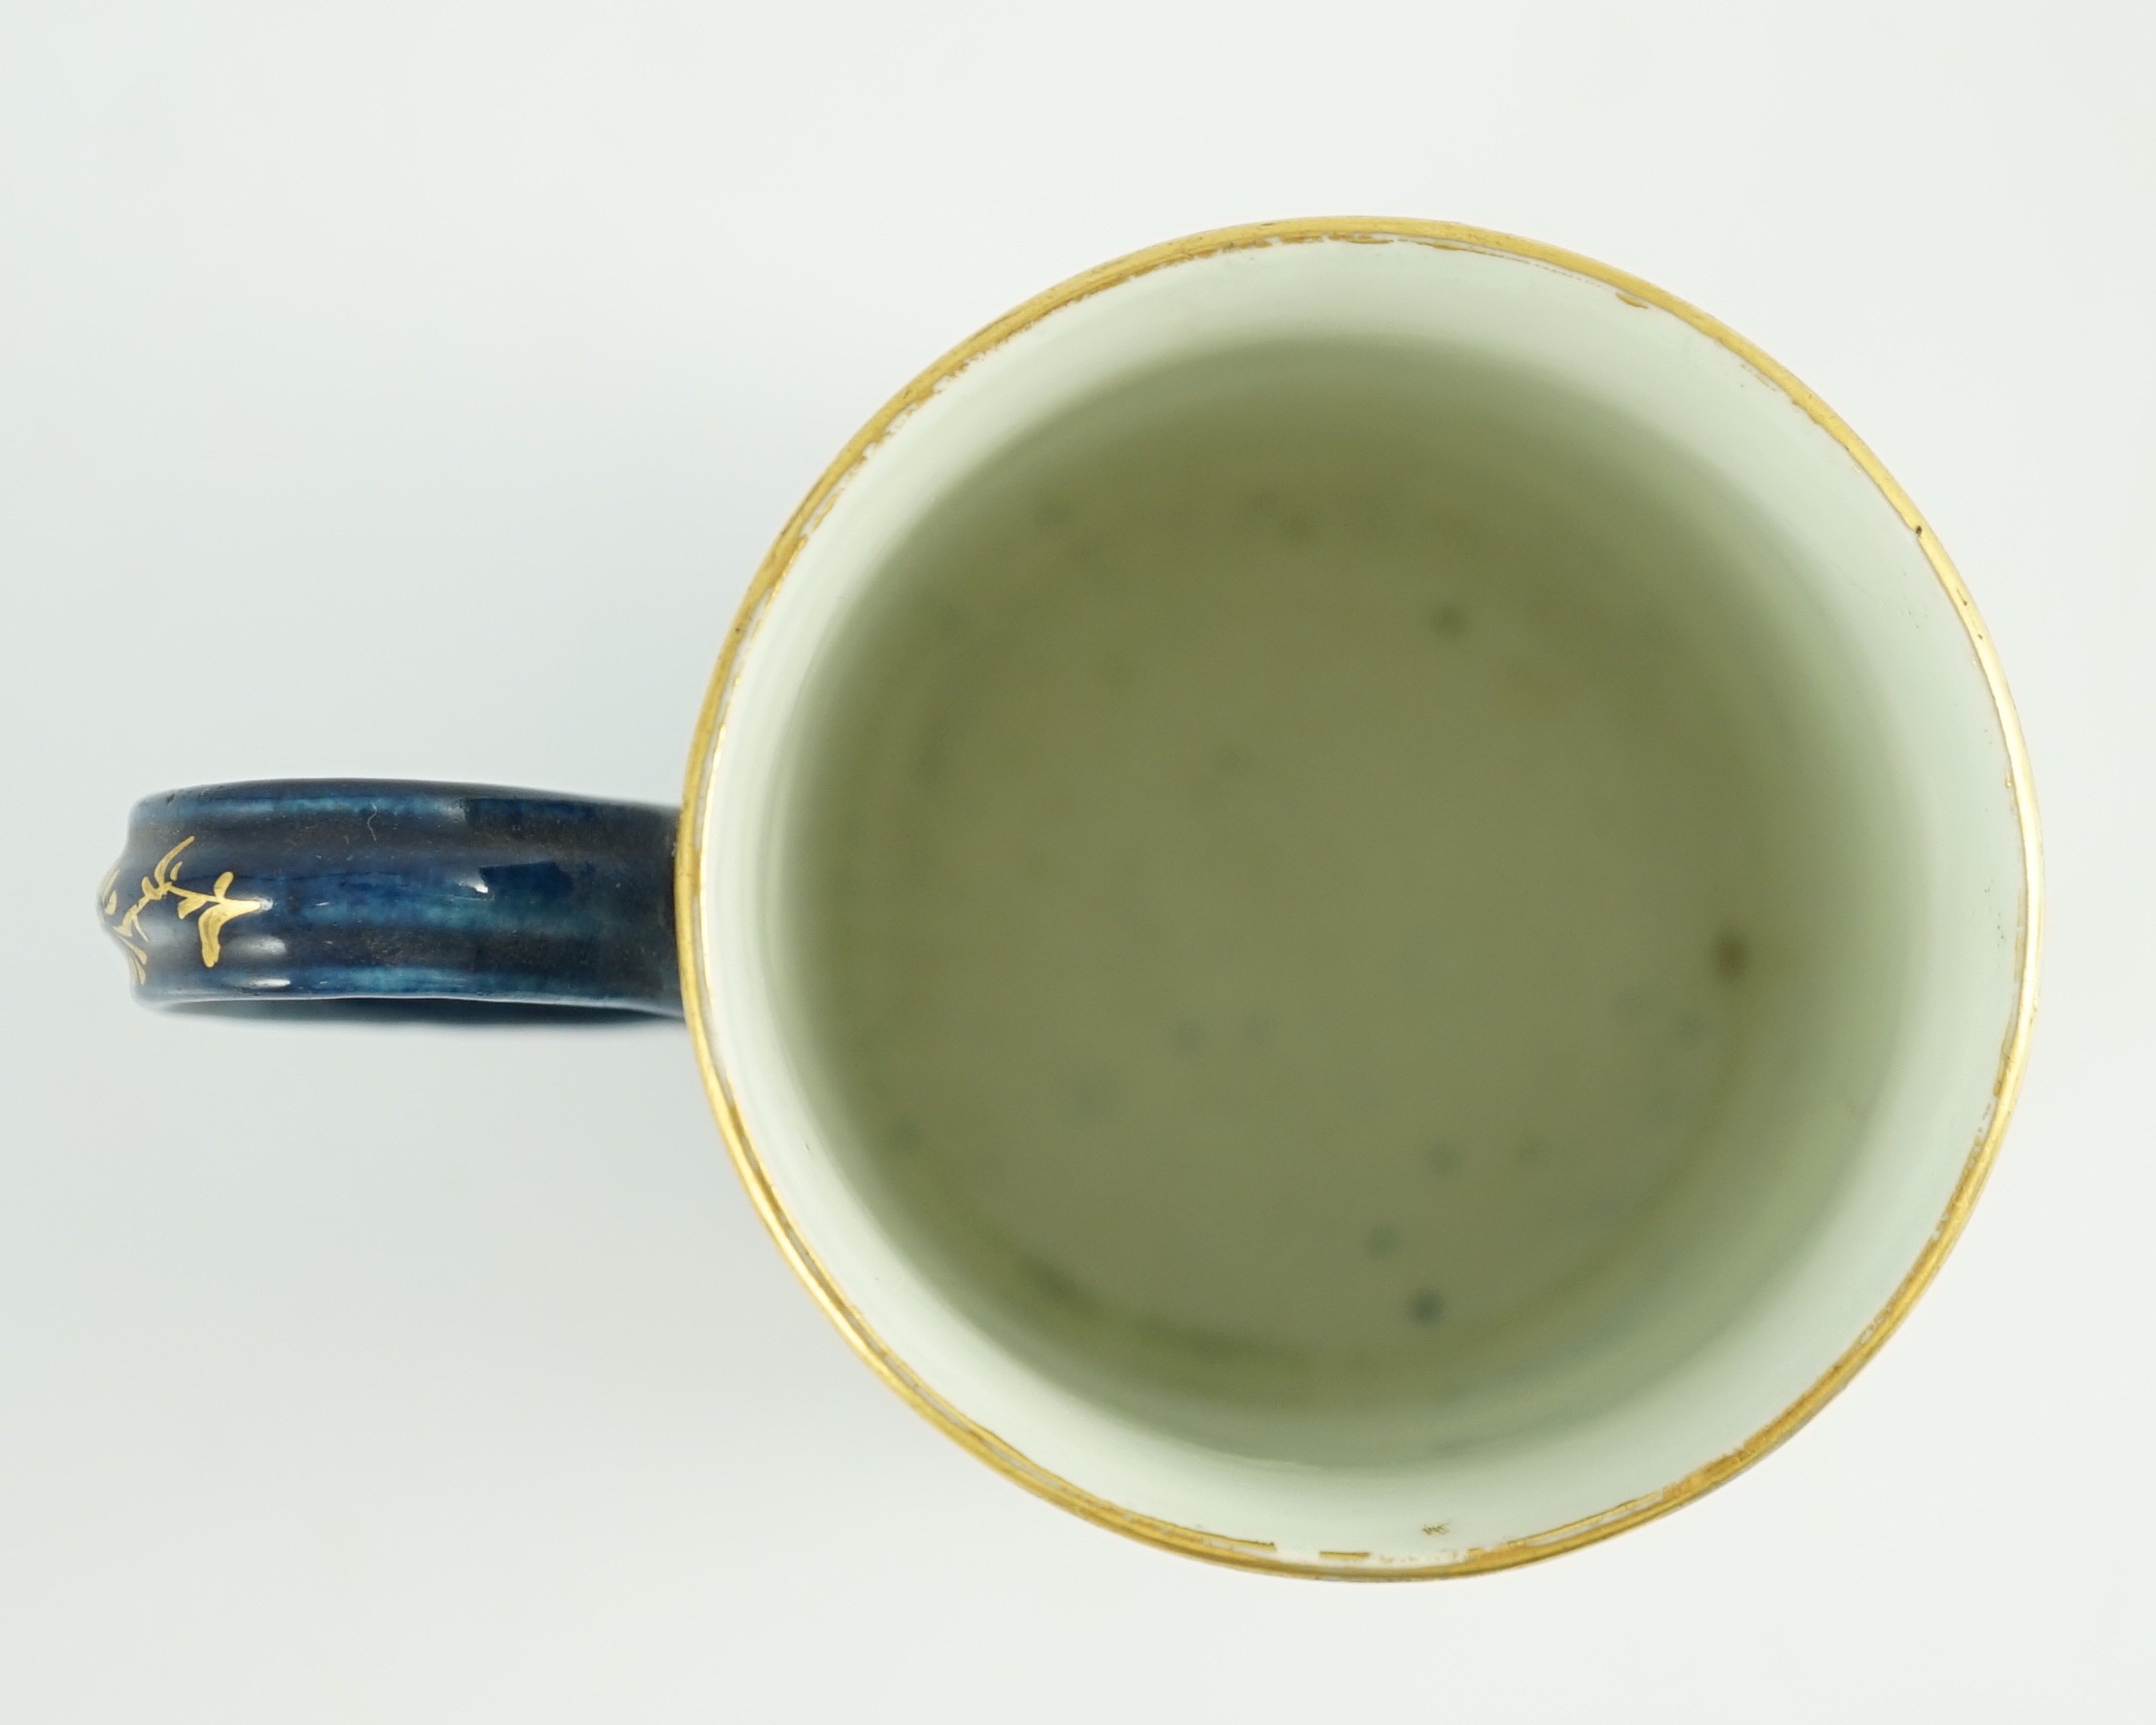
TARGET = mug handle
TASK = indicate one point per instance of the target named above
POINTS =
(384, 889)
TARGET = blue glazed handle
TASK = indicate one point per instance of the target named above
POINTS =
(356, 890)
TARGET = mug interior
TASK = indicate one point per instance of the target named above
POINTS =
(1362, 898)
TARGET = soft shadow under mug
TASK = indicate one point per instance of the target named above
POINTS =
(1360, 897)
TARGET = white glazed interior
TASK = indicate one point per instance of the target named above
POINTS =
(1809, 1262)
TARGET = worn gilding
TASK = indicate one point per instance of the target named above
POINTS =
(1220, 1546)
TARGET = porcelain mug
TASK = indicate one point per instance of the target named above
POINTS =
(1358, 895)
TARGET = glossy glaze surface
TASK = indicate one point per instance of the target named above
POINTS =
(1324, 883)
(372, 890)
(1886, 965)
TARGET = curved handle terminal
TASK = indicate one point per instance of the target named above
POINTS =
(353, 888)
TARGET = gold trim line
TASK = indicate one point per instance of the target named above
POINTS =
(1252, 1554)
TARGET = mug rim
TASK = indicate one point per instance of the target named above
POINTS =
(710, 734)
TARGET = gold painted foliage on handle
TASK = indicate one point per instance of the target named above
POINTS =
(211, 909)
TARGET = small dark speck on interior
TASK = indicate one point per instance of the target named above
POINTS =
(1424, 1306)
(1449, 622)
(1382, 1241)
(1733, 955)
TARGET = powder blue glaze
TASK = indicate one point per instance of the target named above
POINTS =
(384, 889)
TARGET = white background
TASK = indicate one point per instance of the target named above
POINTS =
(411, 390)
